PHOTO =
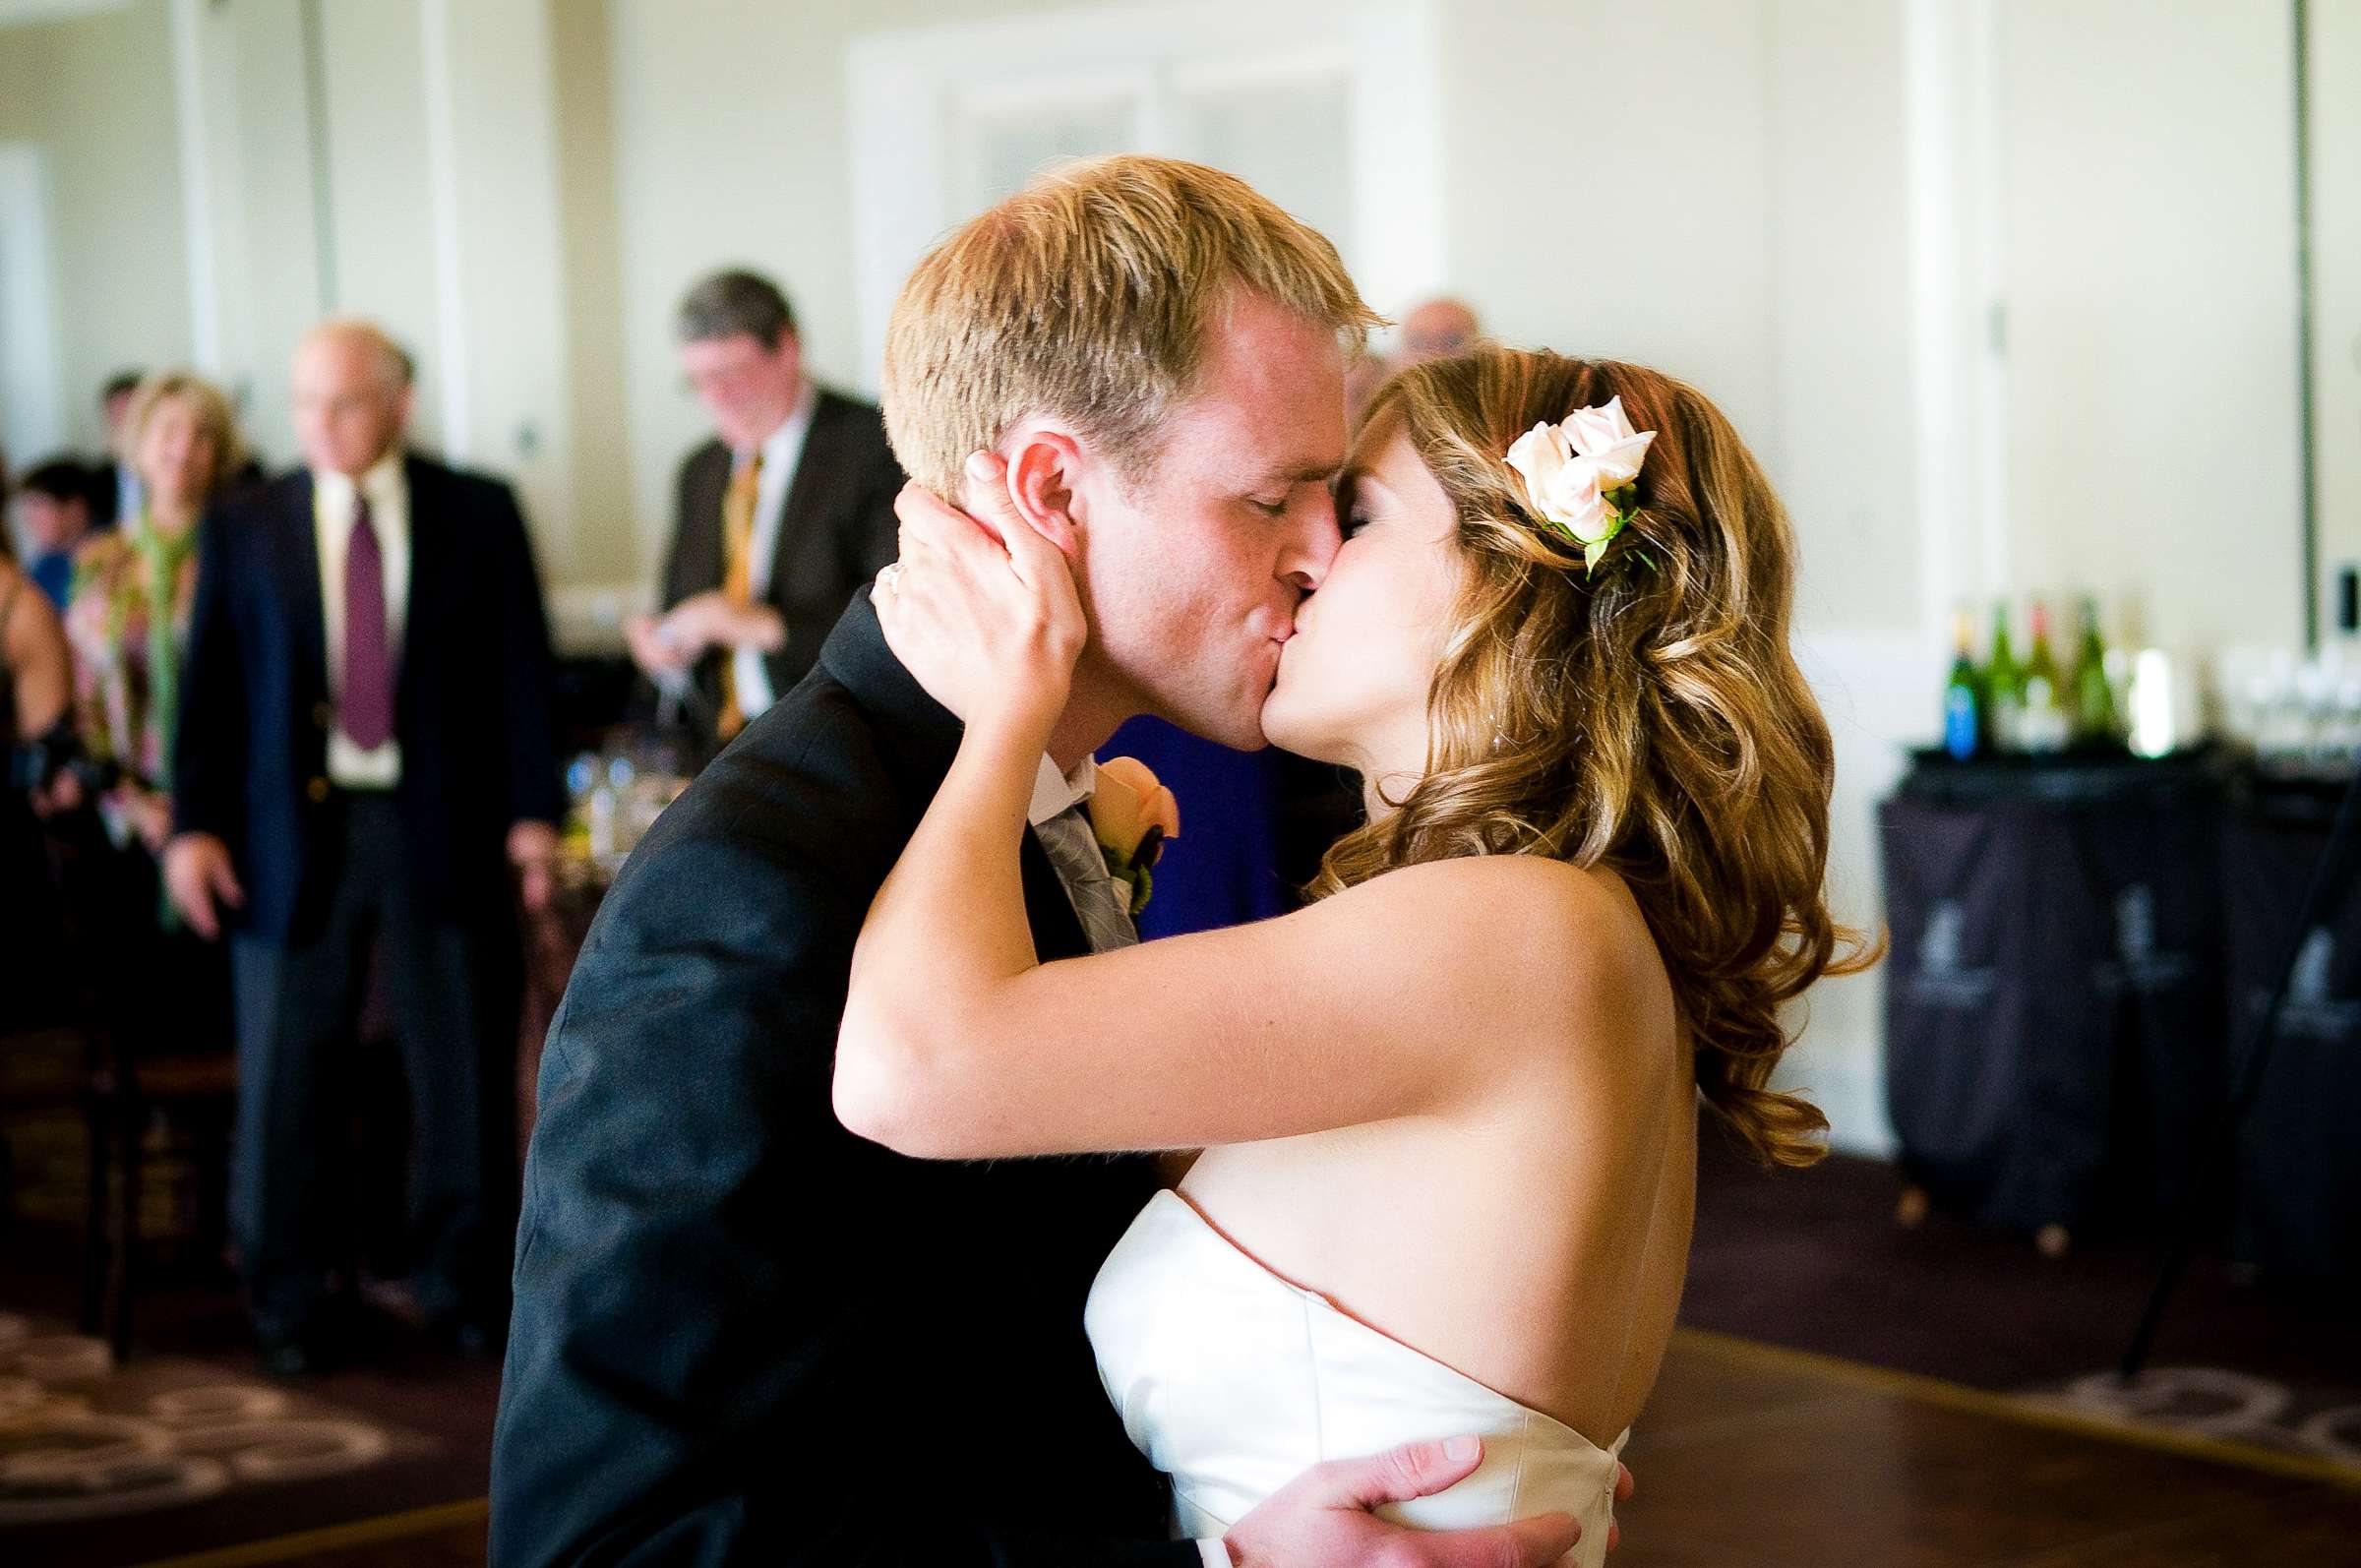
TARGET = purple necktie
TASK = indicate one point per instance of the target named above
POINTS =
(367, 706)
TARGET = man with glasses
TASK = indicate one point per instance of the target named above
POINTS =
(781, 515)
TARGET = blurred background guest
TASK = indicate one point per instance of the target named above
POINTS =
(367, 751)
(35, 694)
(1434, 329)
(57, 501)
(120, 497)
(127, 612)
(781, 515)
(35, 702)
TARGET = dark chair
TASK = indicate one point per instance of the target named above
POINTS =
(127, 1078)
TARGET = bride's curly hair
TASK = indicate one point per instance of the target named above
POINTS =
(1647, 717)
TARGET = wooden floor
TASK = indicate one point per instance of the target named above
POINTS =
(1751, 1457)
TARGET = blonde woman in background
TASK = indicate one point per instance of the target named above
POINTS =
(127, 618)
(128, 611)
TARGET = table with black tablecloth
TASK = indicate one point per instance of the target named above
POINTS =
(2080, 948)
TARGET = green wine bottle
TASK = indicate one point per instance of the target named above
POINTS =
(2043, 727)
(2094, 699)
(2004, 688)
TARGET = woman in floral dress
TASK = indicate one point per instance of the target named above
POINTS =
(127, 619)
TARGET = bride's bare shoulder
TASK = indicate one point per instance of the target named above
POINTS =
(1540, 930)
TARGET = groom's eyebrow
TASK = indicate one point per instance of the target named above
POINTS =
(1307, 473)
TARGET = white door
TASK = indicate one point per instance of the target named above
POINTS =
(1330, 110)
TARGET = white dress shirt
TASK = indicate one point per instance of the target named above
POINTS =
(782, 455)
(1053, 791)
(350, 766)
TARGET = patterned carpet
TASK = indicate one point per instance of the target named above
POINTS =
(102, 1466)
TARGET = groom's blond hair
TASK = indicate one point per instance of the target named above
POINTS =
(1086, 297)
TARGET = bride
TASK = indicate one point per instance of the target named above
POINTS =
(1448, 1111)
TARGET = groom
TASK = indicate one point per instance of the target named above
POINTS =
(742, 1334)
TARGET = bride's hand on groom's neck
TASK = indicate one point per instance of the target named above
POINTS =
(982, 607)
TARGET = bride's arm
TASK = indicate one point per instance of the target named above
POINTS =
(1413, 993)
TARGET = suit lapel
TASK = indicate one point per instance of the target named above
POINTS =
(803, 495)
(703, 564)
(299, 562)
(419, 608)
(919, 738)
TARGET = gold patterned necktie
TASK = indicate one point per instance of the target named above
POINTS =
(738, 575)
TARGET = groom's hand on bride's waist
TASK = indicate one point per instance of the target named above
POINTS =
(1324, 1517)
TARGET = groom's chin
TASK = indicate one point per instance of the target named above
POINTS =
(1239, 728)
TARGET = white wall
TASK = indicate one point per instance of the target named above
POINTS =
(269, 284)
(421, 191)
(504, 351)
(604, 547)
(33, 419)
(94, 93)
(2152, 313)
(2336, 105)
(752, 174)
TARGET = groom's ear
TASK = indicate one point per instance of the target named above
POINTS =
(1043, 468)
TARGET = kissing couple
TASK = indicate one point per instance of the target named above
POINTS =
(1385, 1212)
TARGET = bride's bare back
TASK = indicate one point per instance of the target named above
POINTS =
(1535, 1242)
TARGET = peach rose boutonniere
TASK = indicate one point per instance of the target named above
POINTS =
(1132, 815)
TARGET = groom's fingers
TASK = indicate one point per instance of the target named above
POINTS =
(1526, 1544)
(1414, 1470)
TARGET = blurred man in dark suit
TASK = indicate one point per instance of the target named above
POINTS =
(785, 512)
(366, 753)
(121, 497)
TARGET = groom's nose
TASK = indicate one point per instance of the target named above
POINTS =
(1311, 544)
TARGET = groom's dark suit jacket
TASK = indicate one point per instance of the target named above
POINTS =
(742, 1334)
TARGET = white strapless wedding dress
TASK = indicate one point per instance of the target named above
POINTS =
(1232, 1382)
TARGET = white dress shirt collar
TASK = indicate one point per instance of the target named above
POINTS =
(782, 455)
(1053, 791)
(383, 478)
(783, 445)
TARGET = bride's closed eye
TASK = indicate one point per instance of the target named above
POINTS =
(1352, 509)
